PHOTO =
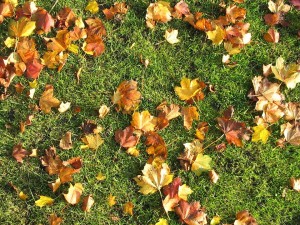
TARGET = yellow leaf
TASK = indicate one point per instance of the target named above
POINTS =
(23, 196)
(74, 193)
(154, 178)
(73, 48)
(143, 121)
(33, 84)
(171, 36)
(230, 49)
(103, 111)
(215, 220)
(21, 28)
(201, 164)
(100, 177)
(184, 191)
(188, 88)
(92, 141)
(111, 200)
(44, 200)
(92, 7)
(216, 36)
(260, 133)
(133, 151)
(10, 42)
(189, 115)
(13, 2)
(128, 208)
(162, 222)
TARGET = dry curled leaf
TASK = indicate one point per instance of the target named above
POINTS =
(51, 161)
(291, 132)
(158, 12)
(272, 36)
(126, 137)
(66, 142)
(171, 36)
(103, 111)
(295, 184)
(74, 193)
(88, 202)
(213, 176)
(244, 218)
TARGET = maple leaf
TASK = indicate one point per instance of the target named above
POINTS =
(65, 174)
(74, 193)
(33, 69)
(291, 132)
(158, 12)
(201, 164)
(95, 28)
(100, 177)
(143, 121)
(87, 204)
(44, 200)
(289, 74)
(47, 101)
(19, 153)
(93, 46)
(244, 218)
(92, 7)
(26, 10)
(265, 92)
(93, 141)
(53, 219)
(65, 18)
(292, 111)
(295, 3)
(189, 88)
(260, 133)
(189, 115)
(6, 10)
(235, 13)
(272, 19)
(103, 111)
(201, 131)
(181, 8)
(273, 112)
(127, 97)
(295, 184)
(234, 131)
(126, 138)
(217, 35)
(162, 221)
(156, 147)
(22, 28)
(167, 113)
(171, 36)
(272, 36)
(111, 200)
(60, 42)
(154, 178)
(278, 6)
(51, 161)
(117, 8)
(191, 214)
(128, 208)
(44, 21)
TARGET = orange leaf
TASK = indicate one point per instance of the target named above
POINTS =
(128, 208)
(54, 219)
(272, 36)
(126, 138)
(47, 101)
(88, 202)
(19, 153)
(189, 115)
(143, 121)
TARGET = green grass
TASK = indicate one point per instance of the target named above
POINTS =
(253, 177)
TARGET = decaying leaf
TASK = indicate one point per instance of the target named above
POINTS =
(128, 208)
(43, 201)
(295, 184)
(103, 111)
(55, 185)
(201, 164)
(272, 36)
(153, 178)
(244, 218)
(213, 176)
(66, 142)
(126, 137)
(291, 132)
(53, 219)
(117, 8)
(19, 153)
(127, 97)
(191, 214)
(47, 100)
(63, 107)
(51, 161)
(292, 111)
(180, 9)
(88, 202)
(156, 147)
(74, 193)
(189, 115)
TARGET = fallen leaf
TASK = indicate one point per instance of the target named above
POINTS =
(244, 218)
(66, 173)
(162, 221)
(126, 137)
(10, 42)
(44, 21)
(216, 36)
(171, 36)
(272, 19)
(63, 107)
(47, 100)
(51, 161)
(33, 69)
(291, 132)
(191, 214)
(128, 208)
(23, 196)
(272, 36)
(235, 13)
(180, 9)
(65, 18)
(21, 28)
(201, 131)
(278, 6)
(189, 88)
(34, 153)
(111, 200)
(74, 193)
(53, 219)
(103, 111)
(215, 220)
(295, 184)
(158, 12)
(143, 121)
(117, 8)
(133, 151)
(296, 4)
(127, 97)
(55, 185)
(189, 115)
(213, 176)
(201, 164)
(92, 7)
(66, 142)
(100, 177)
(153, 179)
(87, 204)
(93, 141)
(260, 133)
(19, 153)
(292, 111)
(43, 201)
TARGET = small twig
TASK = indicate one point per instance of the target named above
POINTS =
(161, 197)
(213, 142)
(55, 3)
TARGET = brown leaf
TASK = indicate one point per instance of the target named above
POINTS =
(19, 88)
(89, 126)
(158, 12)
(26, 10)
(95, 28)
(127, 97)
(295, 184)
(273, 112)
(66, 141)
(272, 36)
(128, 208)
(191, 214)
(272, 19)
(55, 185)
(235, 13)
(53, 219)
(291, 132)
(180, 9)
(93, 46)
(167, 113)
(65, 18)
(156, 146)
(213, 176)
(292, 111)
(26, 48)
(44, 21)
(245, 218)
(51, 161)
(189, 115)
(74, 193)
(126, 138)
(87, 204)
(75, 162)
(47, 101)
(19, 153)
(117, 8)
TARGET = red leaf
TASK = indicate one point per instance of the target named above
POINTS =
(19, 153)
(126, 138)
(191, 214)
(33, 69)
(44, 20)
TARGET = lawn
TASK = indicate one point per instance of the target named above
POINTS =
(254, 177)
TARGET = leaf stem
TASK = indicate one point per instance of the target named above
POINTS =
(161, 198)
(213, 142)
